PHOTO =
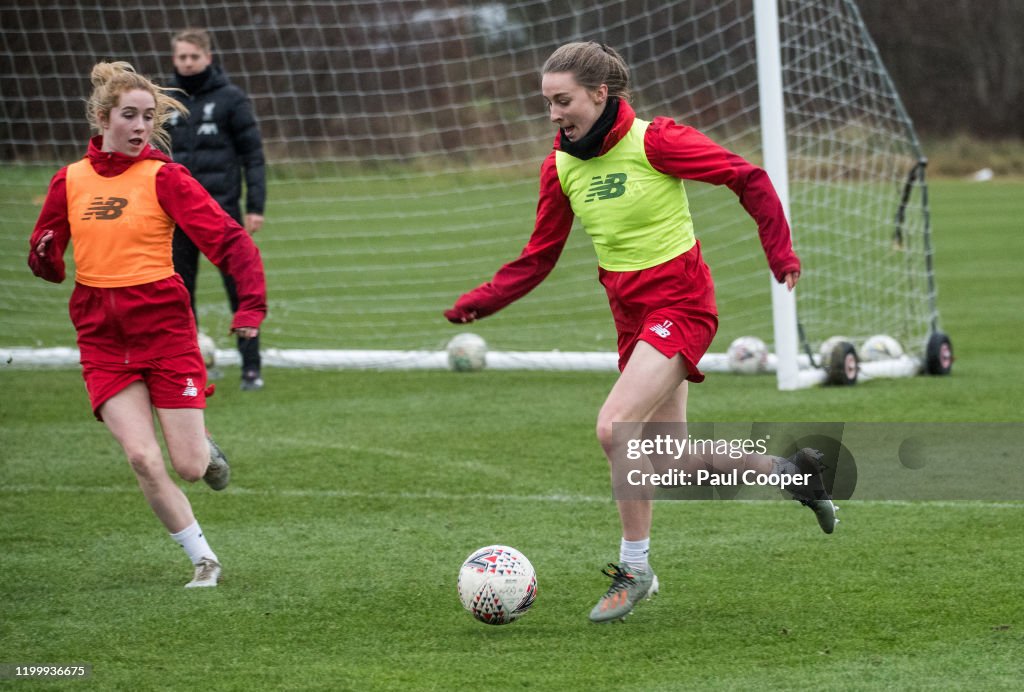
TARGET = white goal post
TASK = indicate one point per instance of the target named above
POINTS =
(773, 144)
(403, 141)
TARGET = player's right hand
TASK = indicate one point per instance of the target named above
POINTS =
(44, 242)
(460, 315)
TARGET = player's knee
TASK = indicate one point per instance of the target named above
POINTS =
(190, 475)
(192, 469)
(605, 430)
(146, 461)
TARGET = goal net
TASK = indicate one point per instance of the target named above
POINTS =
(404, 139)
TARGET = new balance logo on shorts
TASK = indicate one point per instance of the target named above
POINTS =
(662, 329)
(105, 209)
(190, 388)
(611, 186)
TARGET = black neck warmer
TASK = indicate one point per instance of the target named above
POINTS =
(193, 83)
(590, 144)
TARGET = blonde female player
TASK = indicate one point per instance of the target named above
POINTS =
(137, 339)
(623, 177)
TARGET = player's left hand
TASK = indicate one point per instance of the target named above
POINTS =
(246, 332)
(791, 278)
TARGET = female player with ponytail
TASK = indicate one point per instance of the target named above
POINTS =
(622, 176)
(118, 206)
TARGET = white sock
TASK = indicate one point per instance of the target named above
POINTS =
(191, 538)
(634, 553)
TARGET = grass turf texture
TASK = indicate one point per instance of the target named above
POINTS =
(356, 495)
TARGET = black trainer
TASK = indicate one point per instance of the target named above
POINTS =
(807, 464)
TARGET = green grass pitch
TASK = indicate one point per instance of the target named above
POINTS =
(356, 495)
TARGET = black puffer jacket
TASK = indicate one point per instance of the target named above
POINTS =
(218, 140)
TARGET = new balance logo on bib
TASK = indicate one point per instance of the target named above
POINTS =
(105, 209)
(611, 186)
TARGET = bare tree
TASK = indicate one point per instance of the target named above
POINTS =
(959, 64)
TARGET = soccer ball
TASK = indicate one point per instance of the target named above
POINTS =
(880, 347)
(208, 348)
(747, 355)
(497, 584)
(467, 352)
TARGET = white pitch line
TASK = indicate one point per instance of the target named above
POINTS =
(448, 497)
(305, 493)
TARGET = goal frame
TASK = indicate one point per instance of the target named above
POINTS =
(429, 180)
(791, 370)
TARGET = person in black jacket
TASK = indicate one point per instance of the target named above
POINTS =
(217, 141)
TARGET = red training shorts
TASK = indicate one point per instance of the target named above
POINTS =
(173, 381)
(671, 306)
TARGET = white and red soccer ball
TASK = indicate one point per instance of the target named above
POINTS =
(747, 355)
(467, 352)
(497, 584)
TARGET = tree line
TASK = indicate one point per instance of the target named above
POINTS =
(957, 64)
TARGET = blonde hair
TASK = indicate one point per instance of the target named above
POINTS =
(197, 37)
(592, 64)
(112, 79)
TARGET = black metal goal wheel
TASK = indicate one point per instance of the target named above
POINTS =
(939, 354)
(843, 364)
